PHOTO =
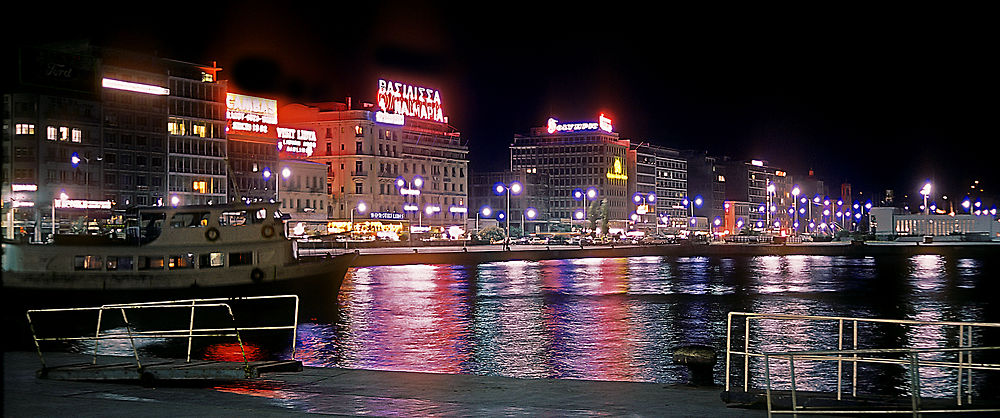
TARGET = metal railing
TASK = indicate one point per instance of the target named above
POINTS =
(963, 346)
(911, 360)
(188, 333)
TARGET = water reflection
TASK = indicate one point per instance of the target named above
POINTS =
(621, 318)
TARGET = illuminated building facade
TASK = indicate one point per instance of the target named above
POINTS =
(196, 141)
(252, 147)
(579, 156)
(748, 181)
(303, 193)
(400, 157)
(662, 171)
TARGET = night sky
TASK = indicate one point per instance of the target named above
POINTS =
(883, 99)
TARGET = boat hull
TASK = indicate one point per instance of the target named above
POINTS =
(315, 282)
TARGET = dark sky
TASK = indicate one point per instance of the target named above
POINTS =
(879, 98)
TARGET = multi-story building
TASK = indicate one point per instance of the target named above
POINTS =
(529, 210)
(88, 135)
(707, 183)
(302, 195)
(670, 183)
(400, 157)
(579, 156)
(134, 153)
(196, 144)
(51, 139)
(750, 182)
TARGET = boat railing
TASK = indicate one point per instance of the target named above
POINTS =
(131, 333)
(908, 358)
(763, 335)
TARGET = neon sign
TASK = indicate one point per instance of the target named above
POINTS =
(396, 98)
(296, 141)
(386, 215)
(390, 118)
(82, 204)
(23, 187)
(253, 115)
(603, 124)
(617, 171)
(110, 83)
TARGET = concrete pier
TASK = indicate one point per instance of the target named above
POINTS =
(337, 391)
(382, 256)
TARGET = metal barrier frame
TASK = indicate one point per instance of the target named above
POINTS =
(190, 333)
(912, 360)
(964, 343)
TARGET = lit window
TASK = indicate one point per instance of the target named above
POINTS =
(50, 133)
(199, 130)
(77, 135)
(25, 129)
(63, 133)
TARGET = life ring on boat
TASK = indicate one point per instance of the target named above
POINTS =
(257, 275)
(267, 231)
(212, 234)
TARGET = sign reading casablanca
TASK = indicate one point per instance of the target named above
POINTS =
(296, 141)
(251, 115)
(603, 123)
(396, 98)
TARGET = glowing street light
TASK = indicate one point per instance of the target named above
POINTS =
(926, 191)
(504, 189)
(583, 196)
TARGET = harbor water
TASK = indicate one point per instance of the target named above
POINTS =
(621, 318)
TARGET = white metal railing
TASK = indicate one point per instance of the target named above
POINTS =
(911, 360)
(189, 333)
(963, 344)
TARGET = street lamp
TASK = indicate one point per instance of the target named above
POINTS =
(795, 203)
(499, 189)
(583, 196)
(486, 212)
(926, 191)
(361, 208)
(530, 213)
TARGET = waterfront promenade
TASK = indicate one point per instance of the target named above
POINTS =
(378, 256)
(336, 391)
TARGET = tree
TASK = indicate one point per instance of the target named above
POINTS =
(492, 234)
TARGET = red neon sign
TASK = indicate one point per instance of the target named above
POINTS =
(404, 99)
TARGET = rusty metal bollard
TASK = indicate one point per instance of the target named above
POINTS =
(700, 360)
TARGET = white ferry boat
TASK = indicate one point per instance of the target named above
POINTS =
(191, 251)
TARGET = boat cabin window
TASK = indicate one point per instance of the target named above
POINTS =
(241, 259)
(260, 215)
(182, 261)
(150, 263)
(150, 226)
(211, 260)
(189, 219)
(233, 218)
(87, 262)
(119, 263)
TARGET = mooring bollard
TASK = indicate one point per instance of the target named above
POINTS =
(699, 360)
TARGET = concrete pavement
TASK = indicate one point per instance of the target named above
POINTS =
(348, 392)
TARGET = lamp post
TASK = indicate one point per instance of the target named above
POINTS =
(411, 188)
(530, 213)
(795, 204)
(583, 196)
(361, 208)
(643, 201)
(770, 202)
(504, 189)
(485, 211)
